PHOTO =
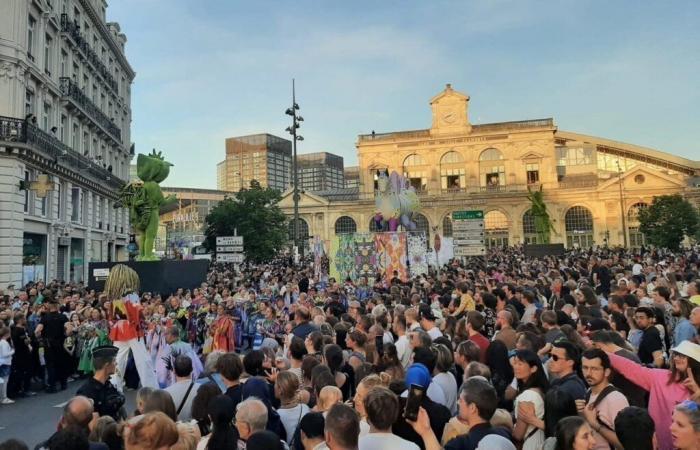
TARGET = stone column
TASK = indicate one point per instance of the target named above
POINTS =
(11, 221)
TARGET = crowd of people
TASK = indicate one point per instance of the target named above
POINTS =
(596, 349)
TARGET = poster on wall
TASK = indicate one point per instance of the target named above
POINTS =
(353, 256)
(417, 254)
(391, 255)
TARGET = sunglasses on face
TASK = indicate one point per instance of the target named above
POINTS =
(555, 358)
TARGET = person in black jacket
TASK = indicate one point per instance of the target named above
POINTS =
(21, 371)
(51, 329)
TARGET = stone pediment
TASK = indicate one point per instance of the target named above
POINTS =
(305, 198)
(642, 177)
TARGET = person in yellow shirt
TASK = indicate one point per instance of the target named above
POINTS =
(694, 293)
(466, 301)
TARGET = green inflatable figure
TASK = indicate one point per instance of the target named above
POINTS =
(144, 199)
(543, 224)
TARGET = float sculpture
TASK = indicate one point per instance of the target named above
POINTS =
(396, 201)
(543, 224)
(144, 199)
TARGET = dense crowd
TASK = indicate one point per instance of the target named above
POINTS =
(596, 349)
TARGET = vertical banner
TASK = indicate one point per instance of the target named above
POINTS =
(391, 255)
(417, 258)
(343, 264)
(319, 253)
(365, 256)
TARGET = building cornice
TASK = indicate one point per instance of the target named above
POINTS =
(107, 35)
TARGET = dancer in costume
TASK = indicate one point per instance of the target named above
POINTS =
(223, 331)
(126, 311)
(156, 344)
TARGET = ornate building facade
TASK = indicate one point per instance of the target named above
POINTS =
(65, 144)
(593, 186)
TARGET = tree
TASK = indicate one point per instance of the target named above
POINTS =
(668, 220)
(255, 215)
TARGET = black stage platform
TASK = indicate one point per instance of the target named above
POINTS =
(537, 250)
(163, 277)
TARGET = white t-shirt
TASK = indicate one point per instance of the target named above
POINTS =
(403, 350)
(434, 333)
(291, 417)
(449, 388)
(385, 441)
(178, 391)
(536, 439)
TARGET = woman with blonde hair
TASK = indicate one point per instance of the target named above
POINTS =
(155, 431)
(291, 410)
(329, 396)
(364, 386)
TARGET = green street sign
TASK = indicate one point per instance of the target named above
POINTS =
(467, 215)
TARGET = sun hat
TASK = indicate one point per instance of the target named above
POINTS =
(688, 349)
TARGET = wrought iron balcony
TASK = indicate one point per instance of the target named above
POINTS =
(18, 130)
(72, 29)
(71, 91)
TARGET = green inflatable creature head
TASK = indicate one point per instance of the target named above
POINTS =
(152, 167)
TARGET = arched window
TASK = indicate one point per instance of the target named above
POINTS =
(415, 171)
(492, 169)
(452, 171)
(496, 228)
(303, 230)
(578, 223)
(344, 225)
(633, 213)
(529, 228)
(447, 226)
(636, 237)
(422, 225)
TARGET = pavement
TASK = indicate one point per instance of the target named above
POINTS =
(34, 419)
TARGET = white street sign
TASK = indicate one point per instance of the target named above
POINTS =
(229, 240)
(467, 234)
(229, 249)
(469, 251)
(230, 257)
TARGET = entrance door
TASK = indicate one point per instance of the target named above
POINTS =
(61, 263)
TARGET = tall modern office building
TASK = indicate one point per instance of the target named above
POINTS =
(320, 171)
(65, 114)
(352, 177)
(261, 157)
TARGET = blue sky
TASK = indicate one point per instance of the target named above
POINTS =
(211, 69)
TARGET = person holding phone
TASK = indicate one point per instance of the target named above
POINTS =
(382, 408)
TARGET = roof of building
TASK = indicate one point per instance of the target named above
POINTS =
(341, 194)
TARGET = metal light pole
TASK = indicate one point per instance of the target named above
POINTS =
(293, 112)
(622, 204)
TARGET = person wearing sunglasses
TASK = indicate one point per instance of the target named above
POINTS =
(563, 362)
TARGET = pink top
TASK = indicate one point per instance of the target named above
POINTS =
(663, 397)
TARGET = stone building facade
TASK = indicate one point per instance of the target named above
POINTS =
(594, 186)
(65, 144)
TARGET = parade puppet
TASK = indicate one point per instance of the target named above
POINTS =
(125, 317)
(543, 224)
(396, 201)
(144, 199)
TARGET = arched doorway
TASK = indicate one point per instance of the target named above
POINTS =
(415, 172)
(447, 226)
(303, 231)
(496, 229)
(529, 228)
(578, 223)
(492, 169)
(452, 172)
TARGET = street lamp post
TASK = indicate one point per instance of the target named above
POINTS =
(296, 118)
(622, 205)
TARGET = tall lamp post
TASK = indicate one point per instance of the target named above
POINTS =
(622, 205)
(296, 118)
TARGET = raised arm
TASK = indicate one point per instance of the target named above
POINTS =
(643, 377)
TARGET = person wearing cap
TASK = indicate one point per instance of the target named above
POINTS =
(108, 401)
(666, 388)
(427, 322)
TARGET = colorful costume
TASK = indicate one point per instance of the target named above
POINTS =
(178, 348)
(125, 333)
(223, 334)
(93, 335)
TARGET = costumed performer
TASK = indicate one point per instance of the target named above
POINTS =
(125, 315)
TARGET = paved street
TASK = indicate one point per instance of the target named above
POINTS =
(33, 419)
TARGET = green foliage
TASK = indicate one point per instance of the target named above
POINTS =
(543, 224)
(668, 220)
(255, 215)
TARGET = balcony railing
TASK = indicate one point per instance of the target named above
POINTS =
(397, 135)
(70, 90)
(73, 30)
(18, 130)
(516, 125)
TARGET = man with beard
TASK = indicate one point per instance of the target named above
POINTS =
(603, 401)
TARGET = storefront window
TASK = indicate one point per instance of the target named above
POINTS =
(33, 257)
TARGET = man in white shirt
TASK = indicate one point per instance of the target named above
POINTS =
(427, 322)
(382, 408)
(403, 346)
(184, 390)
